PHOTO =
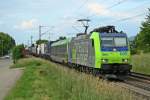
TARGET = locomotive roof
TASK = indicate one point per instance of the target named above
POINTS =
(60, 42)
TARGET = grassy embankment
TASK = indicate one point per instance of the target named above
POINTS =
(43, 80)
(141, 63)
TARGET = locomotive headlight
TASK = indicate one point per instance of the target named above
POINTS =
(104, 60)
(125, 60)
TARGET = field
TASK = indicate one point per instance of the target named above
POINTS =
(141, 63)
(44, 80)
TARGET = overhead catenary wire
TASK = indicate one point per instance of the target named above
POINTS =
(129, 18)
(126, 18)
(86, 1)
(116, 4)
(82, 5)
(110, 7)
(139, 6)
(76, 29)
(78, 9)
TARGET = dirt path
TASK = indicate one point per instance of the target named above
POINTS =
(8, 77)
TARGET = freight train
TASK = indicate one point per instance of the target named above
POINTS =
(103, 51)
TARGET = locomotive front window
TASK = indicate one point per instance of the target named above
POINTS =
(107, 41)
(120, 41)
(113, 41)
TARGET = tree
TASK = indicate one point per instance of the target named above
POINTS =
(62, 38)
(6, 43)
(41, 41)
(142, 40)
(18, 52)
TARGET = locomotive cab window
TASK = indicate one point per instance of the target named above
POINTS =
(114, 41)
(120, 41)
(107, 41)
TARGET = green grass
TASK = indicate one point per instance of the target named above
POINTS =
(141, 63)
(44, 80)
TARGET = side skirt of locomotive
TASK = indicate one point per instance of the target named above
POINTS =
(119, 74)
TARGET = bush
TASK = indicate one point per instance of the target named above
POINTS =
(17, 52)
(146, 49)
(133, 51)
(6, 43)
(141, 63)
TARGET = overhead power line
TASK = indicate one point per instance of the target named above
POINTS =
(129, 18)
(139, 6)
(75, 11)
(116, 4)
(112, 6)
(125, 19)
(82, 5)
(86, 1)
(76, 29)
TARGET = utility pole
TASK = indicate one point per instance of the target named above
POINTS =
(2, 47)
(40, 32)
(31, 42)
(85, 23)
(49, 36)
(31, 39)
(40, 35)
(51, 28)
(43, 33)
(28, 42)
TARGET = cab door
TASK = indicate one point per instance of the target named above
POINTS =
(91, 53)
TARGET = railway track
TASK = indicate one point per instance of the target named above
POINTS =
(141, 76)
(139, 80)
(137, 83)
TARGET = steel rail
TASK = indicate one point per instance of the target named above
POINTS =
(140, 76)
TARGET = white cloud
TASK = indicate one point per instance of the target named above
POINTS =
(97, 9)
(27, 24)
(101, 10)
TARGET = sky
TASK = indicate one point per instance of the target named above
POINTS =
(21, 18)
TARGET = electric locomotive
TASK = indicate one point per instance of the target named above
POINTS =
(112, 50)
(104, 51)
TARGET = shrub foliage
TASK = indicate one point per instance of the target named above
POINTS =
(17, 52)
(142, 40)
(6, 43)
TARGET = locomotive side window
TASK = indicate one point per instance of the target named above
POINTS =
(92, 42)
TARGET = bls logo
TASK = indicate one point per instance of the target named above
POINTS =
(123, 53)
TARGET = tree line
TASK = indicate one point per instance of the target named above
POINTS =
(142, 39)
(6, 43)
